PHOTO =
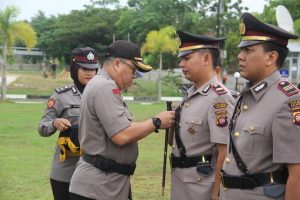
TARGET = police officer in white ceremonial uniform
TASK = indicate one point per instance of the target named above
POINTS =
(263, 161)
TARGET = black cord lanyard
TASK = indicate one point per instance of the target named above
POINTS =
(237, 110)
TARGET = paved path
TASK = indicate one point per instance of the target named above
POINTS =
(9, 79)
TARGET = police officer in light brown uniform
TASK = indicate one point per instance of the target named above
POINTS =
(201, 123)
(263, 157)
(62, 114)
(108, 135)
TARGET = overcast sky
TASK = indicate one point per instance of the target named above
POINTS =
(29, 8)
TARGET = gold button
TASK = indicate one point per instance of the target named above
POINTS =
(179, 124)
(199, 179)
(227, 160)
(251, 129)
(192, 121)
(245, 107)
(236, 134)
(173, 146)
(225, 189)
(186, 104)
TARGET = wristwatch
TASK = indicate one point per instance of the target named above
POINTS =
(156, 122)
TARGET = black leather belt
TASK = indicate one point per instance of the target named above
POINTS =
(108, 165)
(251, 181)
(186, 162)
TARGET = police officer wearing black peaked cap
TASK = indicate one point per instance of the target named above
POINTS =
(263, 160)
(201, 123)
(62, 114)
(108, 136)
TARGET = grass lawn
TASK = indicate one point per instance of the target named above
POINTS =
(26, 157)
(33, 83)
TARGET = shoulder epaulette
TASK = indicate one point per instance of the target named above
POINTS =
(62, 89)
(287, 88)
(219, 89)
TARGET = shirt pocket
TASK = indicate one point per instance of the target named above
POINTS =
(74, 112)
(193, 127)
(254, 140)
(191, 175)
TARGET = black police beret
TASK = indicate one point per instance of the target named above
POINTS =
(191, 42)
(254, 31)
(85, 57)
(127, 50)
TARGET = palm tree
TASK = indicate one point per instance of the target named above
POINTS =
(159, 42)
(10, 32)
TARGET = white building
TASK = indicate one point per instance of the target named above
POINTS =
(292, 62)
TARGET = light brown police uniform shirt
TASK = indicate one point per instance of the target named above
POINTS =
(103, 114)
(64, 103)
(266, 134)
(203, 123)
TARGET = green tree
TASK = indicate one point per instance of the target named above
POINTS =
(10, 32)
(159, 42)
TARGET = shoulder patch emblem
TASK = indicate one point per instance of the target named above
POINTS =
(116, 91)
(295, 109)
(62, 89)
(221, 121)
(296, 118)
(219, 89)
(51, 102)
(287, 88)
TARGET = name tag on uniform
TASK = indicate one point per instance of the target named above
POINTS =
(75, 106)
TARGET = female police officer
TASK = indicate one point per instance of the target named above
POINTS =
(62, 114)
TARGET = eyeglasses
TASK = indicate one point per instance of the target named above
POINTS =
(131, 66)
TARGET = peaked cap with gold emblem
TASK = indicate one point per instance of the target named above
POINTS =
(253, 32)
(190, 43)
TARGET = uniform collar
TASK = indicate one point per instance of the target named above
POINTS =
(102, 72)
(204, 89)
(259, 89)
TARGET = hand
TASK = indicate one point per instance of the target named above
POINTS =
(61, 124)
(167, 118)
(215, 198)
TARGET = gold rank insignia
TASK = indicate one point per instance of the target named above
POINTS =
(220, 105)
(242, 28)
(288, 88)
(51, 103)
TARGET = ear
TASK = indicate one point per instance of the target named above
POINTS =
(207, 58)
(272, 58)
(116, 65)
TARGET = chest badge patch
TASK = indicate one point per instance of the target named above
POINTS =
(51, 102)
